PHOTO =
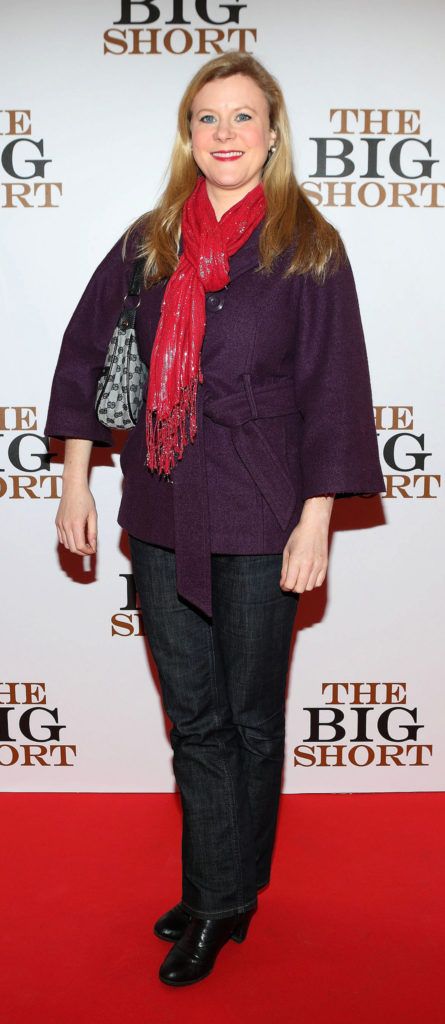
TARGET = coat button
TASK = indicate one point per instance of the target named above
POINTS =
(215, 301)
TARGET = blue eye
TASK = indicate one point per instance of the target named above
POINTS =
(205, 117)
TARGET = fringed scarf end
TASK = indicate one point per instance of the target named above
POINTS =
(166, 439)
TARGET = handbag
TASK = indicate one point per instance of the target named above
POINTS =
(120, 387)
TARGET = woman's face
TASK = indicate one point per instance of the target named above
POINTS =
(230, 132)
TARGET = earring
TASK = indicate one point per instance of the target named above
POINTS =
(272, 149)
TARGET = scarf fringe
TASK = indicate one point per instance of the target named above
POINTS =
(167, 439)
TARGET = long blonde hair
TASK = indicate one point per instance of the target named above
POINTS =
(290, 218)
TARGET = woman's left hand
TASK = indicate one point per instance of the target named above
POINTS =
(305, 556)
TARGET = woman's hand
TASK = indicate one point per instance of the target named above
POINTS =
(76, 519)
(305, 556)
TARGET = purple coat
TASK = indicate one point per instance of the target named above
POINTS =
(285, 411)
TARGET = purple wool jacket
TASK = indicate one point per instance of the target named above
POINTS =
(285, 411)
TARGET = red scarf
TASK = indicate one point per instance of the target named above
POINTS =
(175, 364)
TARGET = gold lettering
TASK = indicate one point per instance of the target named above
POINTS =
(242, 33)
(427, 478)
(335, 692)
(22, 414)
(11, 692)
(18, 485)
(62, 749)
(367, 187)
(403, 190)
(344, 111)
(48, 187)
(16, 190)
(34, 752)
(187, 37)
(204, 38)
(419, 748)
(363, 690)
(395, 693)
(307, 754)
(14, 755)
(401, 488)
(369, 755)
(334, 752)
(341, 188)
(375, 122)
(16, 122)
(32, 693)
(55, 484)
(151, 42)
(406, 121)
(434, 186)
(390, 753)
(112, 36)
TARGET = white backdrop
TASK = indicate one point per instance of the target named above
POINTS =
(105, 122)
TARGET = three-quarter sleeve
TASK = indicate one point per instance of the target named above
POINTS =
(71, 409)
(339, 450)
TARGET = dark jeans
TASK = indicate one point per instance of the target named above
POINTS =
(223, 687)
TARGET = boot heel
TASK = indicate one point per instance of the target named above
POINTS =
(239, 933)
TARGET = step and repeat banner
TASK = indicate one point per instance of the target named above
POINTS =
(89, 100)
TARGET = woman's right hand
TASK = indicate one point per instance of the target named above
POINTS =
(76, 519)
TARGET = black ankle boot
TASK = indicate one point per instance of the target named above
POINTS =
(171, 925)
(193, 956)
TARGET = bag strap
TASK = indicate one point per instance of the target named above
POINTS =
(128, 314)
(136, 279)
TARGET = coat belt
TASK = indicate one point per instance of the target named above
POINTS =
(240, 411)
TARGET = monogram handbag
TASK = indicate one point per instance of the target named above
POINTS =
(120, 387)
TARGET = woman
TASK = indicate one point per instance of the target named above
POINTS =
(258, 410)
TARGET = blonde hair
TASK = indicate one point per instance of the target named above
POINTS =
(291, 218)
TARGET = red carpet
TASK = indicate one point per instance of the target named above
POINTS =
(349, 930)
